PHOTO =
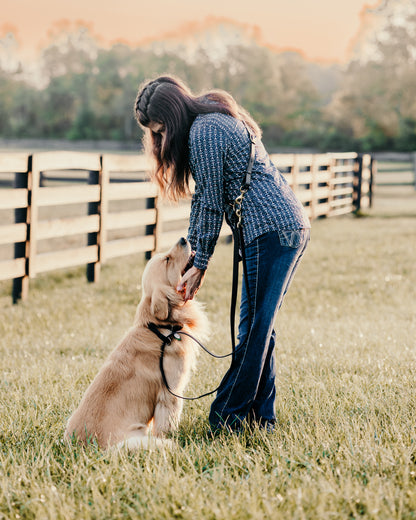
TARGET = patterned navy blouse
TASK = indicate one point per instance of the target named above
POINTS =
(219, 150)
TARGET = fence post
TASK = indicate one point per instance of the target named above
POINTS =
(373, 173)
(158, 222)
(33, 211)
(20, 288)
(295, 171)
(153, 229)
(331, 183)
(414, 169)
(313, 186)
(366, 174)
(358, 171)
(93, 269)
(104, 180)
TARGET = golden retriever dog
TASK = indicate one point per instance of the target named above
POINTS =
(127, 403)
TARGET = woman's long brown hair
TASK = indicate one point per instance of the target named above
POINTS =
(168, 101)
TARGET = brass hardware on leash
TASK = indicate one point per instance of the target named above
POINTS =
(237, 206)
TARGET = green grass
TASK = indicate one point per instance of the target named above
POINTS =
(345, 443)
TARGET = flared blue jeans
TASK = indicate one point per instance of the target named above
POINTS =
(247, 391)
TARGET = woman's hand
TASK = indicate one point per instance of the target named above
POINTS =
(190, 283)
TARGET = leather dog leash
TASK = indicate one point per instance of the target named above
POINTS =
(237, 229)
(175, 332)
(238, 238)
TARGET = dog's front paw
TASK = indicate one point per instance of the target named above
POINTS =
(147, 442)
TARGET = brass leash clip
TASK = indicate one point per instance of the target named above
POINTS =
(238, 203)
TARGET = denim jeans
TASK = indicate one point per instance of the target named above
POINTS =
(247, 391)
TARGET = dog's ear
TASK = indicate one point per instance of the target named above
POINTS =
(159, 305)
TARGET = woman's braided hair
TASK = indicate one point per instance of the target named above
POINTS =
(143, 101)
(167, 100)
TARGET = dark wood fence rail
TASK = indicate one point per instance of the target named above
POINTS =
(327, 184)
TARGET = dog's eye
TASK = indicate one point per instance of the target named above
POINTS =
(167, 259)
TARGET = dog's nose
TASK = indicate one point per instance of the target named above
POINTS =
(183, 241)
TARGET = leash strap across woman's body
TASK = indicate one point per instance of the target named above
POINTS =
(238, 237)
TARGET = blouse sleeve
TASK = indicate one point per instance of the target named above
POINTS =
(207, 150)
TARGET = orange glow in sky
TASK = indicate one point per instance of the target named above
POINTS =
(320, 29)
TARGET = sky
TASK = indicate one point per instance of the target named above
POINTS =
(320, 29)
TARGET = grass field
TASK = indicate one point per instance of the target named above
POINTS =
(345, 443)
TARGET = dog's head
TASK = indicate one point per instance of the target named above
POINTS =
(161, 277)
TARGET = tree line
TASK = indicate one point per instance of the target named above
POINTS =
(84, 91)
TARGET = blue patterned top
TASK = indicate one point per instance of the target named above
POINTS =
(219, 150)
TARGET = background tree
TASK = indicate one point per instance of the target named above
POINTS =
(84, 90)
(377, 101)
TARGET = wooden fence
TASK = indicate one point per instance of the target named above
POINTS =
(31, 186)
(396, 169)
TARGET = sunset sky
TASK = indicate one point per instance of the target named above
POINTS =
(321, 29)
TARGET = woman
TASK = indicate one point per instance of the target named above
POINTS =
(208, 138)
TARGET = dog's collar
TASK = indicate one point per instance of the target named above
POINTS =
(173, 334)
